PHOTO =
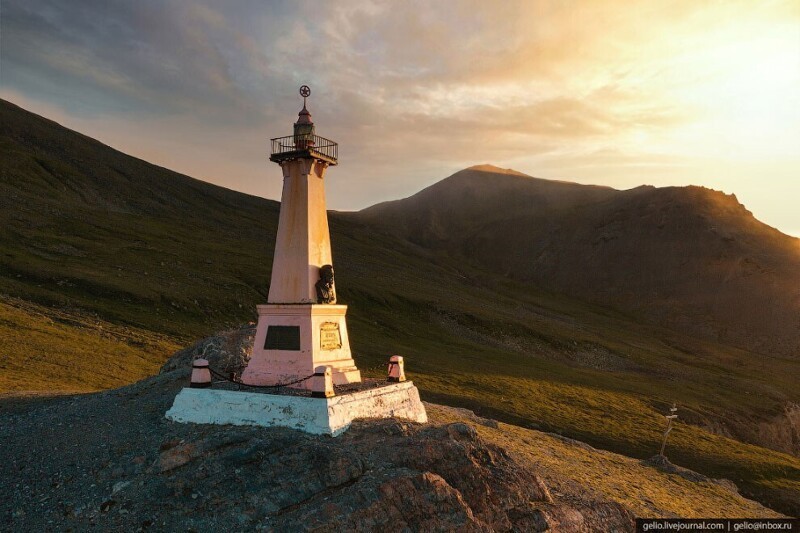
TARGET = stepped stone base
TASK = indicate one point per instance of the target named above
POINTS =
(321, 416)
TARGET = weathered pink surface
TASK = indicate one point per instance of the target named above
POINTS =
(302, 246)
(303, 243)
(397, 370)
(201, 375)
(269, 367)
(322, 382)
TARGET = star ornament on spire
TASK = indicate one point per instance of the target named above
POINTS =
(305, 92)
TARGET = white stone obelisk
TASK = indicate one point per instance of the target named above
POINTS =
(301, 327)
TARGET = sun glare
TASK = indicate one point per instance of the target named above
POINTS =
(743, 93)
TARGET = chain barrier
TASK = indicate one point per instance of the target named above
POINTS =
(222, 376)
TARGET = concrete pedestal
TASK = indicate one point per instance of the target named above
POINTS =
(321, 416)
(293, 339)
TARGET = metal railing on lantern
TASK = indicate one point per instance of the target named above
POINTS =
(298, 146)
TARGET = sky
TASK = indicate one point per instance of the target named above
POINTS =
(613, 93)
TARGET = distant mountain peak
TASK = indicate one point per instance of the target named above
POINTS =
(692, 258)
(486, 167)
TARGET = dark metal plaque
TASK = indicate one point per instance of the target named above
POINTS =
(283, 338)
(329, 336)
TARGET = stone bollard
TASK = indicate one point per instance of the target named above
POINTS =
(397, 372)
(201, 375)
(322, 382)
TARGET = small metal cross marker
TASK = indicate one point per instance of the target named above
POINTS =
(305, 92)
(670, 417)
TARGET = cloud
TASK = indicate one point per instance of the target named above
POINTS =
(143, 57)
(399, 61)
(411, 90)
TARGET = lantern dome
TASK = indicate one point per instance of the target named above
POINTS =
(304, 142)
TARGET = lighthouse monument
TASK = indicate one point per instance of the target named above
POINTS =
(301, 373)
(302, 326)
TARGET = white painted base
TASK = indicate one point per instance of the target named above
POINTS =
(321, 416)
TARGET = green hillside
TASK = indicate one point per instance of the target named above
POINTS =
(46, 349)
(88, 231)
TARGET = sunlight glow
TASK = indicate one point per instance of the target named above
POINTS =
(609, 92)
(746, 96)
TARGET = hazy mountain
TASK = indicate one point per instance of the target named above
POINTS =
(690, 258)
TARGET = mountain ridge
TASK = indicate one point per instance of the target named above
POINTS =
(652, 251)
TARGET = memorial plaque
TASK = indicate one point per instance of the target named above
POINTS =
(329, 337)
(283, 338)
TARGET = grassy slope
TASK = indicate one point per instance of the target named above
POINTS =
(569, 467)
(48, 350)
(83, 224)
(196, 259)
(620, 410)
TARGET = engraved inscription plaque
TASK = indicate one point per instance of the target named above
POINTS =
(283, 338)
(329, 337)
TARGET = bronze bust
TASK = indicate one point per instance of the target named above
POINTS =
(326, 293)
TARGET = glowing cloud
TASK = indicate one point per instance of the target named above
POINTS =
(617, 93)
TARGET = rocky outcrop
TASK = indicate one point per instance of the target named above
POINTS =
(381, 474)
(116, 463)
(228, 351)
(779, 431)
(664, 464)
(111, 461)
(782, 432)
